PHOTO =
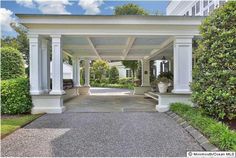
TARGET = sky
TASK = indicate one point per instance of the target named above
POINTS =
(74, 7)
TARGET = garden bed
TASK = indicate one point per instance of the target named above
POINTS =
(217, 132)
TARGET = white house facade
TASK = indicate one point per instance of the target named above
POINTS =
(87, 38)
(123, 71)
(193, 7)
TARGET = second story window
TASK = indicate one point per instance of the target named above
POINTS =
(211, 8)
(198, 7)
(205, 13)
(193, 10)
(205, 3)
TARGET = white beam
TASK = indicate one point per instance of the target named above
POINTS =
(130, 42)
(93, 48)
(162, 47)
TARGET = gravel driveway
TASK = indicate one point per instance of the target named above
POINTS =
(100, 134)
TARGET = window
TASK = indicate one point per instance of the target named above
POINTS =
(222, 2)
(205, 3)
(198, 7)
(187, 13)
(205, 13)
(211, 8)
(128, 73)
(193, 10)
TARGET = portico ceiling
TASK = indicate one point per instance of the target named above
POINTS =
(113, 37)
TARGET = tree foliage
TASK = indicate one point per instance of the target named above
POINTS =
(12, 64)
(214, 84)
(100, 69)
(130, 9)
(114, 75)
(15, 96)
(131, 64)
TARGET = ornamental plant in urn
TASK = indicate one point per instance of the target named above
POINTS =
(163, 83)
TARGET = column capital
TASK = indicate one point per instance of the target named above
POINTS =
(32, 35)
(183, 39)
(55, 35)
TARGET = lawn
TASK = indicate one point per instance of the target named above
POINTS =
(11, 123)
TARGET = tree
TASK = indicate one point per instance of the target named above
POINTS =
(100, 69)
(113, 75)
(131, 64)
(130, 9)
(12, 64)
(214, 77)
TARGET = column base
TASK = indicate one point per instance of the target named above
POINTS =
(181, 91)
(165, 99)
(85, 90)
(57, 92)
(47, 104)
(141, 90)
(36, 92)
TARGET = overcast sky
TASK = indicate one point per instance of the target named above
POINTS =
(79, 7)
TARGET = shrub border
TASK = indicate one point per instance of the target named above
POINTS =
(198, 136)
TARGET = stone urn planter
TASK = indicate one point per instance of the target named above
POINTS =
(162, 86)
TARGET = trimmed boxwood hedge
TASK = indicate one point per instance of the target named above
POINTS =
(15, 96)
(12, 63)
(214, 75)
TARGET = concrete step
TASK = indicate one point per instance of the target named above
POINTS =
(151, 95)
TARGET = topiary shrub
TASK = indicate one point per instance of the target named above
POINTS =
(12, 63)
(113, 75)
(214, 75)
(15, 96)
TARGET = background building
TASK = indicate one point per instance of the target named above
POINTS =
(193, 8)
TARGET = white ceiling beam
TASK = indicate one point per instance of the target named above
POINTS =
(67, 53)
(70, 46)
(92, 46)
(129, 45)
(163, 46)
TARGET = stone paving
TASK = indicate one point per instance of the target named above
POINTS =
(110, 100)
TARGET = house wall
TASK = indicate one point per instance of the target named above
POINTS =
(121, 68)
(185, 7)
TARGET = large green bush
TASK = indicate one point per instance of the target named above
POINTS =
(12, 63)
(15, 96)
(113, 75)
(214, 75)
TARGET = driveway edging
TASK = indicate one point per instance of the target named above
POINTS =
(196, 134)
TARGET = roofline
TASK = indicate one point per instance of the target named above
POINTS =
(79, 15)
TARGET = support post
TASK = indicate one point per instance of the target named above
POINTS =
(87, 73)
(57, 66)
(45, 66)
(35, 65)
(76, 72)
(145, 73)
(182, 64)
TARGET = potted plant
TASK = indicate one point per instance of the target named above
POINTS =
(163, 83)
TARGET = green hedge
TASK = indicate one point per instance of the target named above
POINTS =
(128, 86)
(113, 75)
(214, 75)
(15, 96)
(12, 63)
(218, 133)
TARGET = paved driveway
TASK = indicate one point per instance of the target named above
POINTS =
(103, 124)
(100, 134)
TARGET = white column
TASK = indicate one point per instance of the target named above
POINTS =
(45, 66)
(145, 73)
(87, 73)
(76, 72)
(57, 66)
(35, 65)
(182, 64)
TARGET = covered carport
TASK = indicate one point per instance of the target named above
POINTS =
(87, 38)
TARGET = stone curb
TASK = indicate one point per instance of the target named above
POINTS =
(202, 140)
